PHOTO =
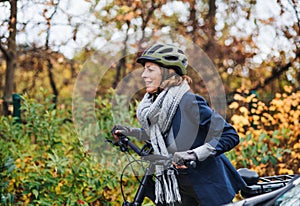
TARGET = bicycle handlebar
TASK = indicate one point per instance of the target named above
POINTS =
(124, 143)
(160, 159)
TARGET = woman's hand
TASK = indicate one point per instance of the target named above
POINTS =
(180, 158)
(118, 130)
(129, 131)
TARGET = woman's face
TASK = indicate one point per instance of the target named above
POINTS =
(152, 76)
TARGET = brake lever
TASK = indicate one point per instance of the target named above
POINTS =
(122, 143)
(110, 141)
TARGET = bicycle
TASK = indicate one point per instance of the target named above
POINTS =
(146, 187)
(256, 185)
(268, 190)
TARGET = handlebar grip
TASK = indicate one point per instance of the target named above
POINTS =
(191, 164)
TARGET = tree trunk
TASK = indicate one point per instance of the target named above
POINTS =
(52, 81)
(49, 63)
(210, 46)
(122, 62)
(10, 55)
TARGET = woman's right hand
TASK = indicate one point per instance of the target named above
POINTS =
(117, 130)
(129, 131)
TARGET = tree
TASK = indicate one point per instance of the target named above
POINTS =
(230, 32)
(126, 12)
(47, 48)
(8, 49)
(37, 32)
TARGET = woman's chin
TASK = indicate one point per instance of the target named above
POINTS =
(151, 90)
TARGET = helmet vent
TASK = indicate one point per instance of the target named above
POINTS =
(154, 49)
(167, 56)
(180, 51)
(166, 50)
(171, 58)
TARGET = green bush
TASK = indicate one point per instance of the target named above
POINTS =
(43, 162)
(47, 160)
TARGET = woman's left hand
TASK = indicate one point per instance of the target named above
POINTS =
(180, 158)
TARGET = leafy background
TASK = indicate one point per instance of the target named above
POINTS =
(253, 44)
(43, 162)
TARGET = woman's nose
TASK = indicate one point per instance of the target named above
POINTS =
(144, 75)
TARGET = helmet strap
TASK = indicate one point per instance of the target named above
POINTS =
(166, 74)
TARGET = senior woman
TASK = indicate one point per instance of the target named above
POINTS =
(181, 123)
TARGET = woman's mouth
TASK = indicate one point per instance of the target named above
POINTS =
(148, 83)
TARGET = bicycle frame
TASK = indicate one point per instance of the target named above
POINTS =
(146, 189)
(147, 184)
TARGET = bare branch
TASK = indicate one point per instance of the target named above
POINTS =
(48, 19)
(276, 74)
(4, 51)
(294, 4)
(146, 18)
(269, 79)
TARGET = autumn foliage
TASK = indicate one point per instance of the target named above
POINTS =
(269, 132)
(42, 161)
(48, 163)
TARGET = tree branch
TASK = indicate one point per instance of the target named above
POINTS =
(268, 80)
(275, 74)
(4, 51)
(293, 3)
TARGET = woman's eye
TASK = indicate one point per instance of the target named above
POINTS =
(148, 69)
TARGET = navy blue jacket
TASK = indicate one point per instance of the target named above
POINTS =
(215, 180)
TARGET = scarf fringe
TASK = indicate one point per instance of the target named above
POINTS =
(166, 189)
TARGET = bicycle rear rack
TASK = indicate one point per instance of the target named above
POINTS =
(265, 185)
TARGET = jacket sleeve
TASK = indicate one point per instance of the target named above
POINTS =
(212, 126)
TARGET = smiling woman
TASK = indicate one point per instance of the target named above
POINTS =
(152, 76)
(181, 124)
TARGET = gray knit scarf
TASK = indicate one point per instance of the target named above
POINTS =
(156, 118)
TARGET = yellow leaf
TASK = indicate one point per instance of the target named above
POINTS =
(234, 105)
(254, 105)
(129, 16)
(285, 171)
(277, 96)
(297, 145)
(238, 97)
(288, 89)
(272, 108)
(243, 110)
(255, 117)
(249, 98)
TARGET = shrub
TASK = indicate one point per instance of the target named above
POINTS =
(47, 161)
(43, 162)
(269, 132)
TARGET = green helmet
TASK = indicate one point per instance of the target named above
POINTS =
(167, 56)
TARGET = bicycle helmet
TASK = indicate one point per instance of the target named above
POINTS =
(167, 56)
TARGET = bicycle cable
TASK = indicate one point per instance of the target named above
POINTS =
(123, 172)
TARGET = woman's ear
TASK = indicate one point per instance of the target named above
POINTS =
(171, 71)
